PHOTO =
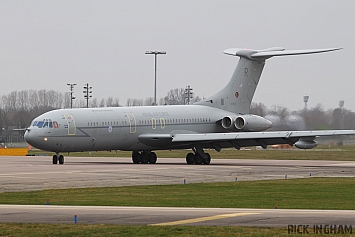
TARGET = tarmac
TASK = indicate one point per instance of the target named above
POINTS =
(38, 173)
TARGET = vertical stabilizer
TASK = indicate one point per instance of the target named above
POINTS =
(238, 94)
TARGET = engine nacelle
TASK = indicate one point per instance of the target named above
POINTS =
(252, 123)
(306, 144)
(228, 123)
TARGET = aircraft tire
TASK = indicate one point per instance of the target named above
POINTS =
(190, 158)
(152, 158)
(61, 159)
(144, 158)
(135, 157)
(197, 159)
(55, 160)
(207, 160)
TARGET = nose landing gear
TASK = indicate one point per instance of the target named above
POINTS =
(58, 158)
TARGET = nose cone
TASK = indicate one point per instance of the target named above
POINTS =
(31, 137)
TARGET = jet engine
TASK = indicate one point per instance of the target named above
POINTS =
(252, 123)
(246, 123)
(228, 123)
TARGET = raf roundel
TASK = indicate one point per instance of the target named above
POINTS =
(110, 129)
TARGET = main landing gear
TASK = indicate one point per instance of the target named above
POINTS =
(58, 158)
(144, 157)
(197, 159)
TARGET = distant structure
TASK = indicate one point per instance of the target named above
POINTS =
(87, 93)
(305, 100)
(71, 85)
(341, 105)
(188, 94)
(155, 53)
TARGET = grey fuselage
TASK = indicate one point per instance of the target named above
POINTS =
(118, 128)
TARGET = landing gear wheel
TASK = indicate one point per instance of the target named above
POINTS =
(190, 158)
(135, 157)
(61, 159)
(206, 160)
(197, 159)
(145, 158)
(55, 159)
(152, 158)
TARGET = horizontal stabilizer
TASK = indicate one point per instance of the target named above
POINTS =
(268, 53)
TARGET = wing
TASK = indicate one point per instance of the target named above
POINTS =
(301, 139)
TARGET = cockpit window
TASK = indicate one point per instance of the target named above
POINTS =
(46, 123)
(40, 124)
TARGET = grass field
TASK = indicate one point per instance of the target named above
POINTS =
(61, 230)
(323, 152)
(35, 230)
(311, 193)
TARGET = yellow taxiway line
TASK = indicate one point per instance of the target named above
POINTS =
(207, 218)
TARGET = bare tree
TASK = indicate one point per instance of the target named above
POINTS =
(137, 102)
(258, 109)
(94, 103)
(175, 97)
(102, 103)
(116, 103)
(148, 101)
(67, 100)
(109, 102)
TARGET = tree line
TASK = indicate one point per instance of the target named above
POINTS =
(19, 108)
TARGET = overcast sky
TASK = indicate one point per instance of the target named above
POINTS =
(46, 44)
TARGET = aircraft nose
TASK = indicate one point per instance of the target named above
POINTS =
(30, 136)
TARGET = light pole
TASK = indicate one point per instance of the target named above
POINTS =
(341, 105)
(87, 93)
(305, 100)
(155, 66)
(71, 93)
(188, 94)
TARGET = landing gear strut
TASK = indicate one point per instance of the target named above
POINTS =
(58, 158)
(144, 157)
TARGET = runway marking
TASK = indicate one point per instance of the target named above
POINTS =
(207, 218)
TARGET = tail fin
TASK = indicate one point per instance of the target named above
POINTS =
(237, 95)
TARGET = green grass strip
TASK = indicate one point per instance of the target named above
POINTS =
(62, 230)
(310, 193)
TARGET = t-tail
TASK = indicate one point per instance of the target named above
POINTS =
(237, 95)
